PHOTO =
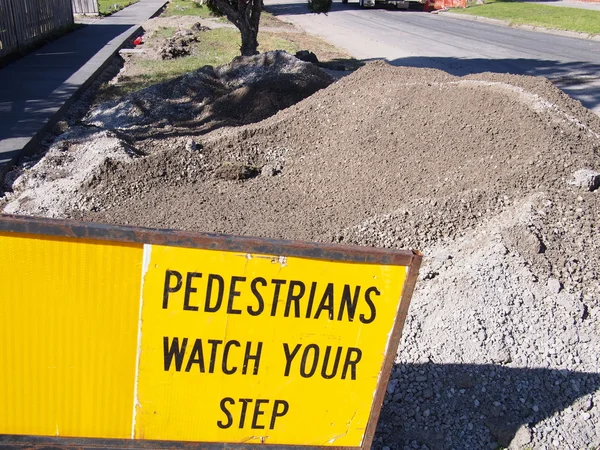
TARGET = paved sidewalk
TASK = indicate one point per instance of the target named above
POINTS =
(36, 89)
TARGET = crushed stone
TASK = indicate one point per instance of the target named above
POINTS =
(501, 345)
(74, 162)
(586, 179)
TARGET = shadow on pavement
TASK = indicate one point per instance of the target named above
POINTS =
(294, 9)
(580, 80)
(33, 88)
(467, 406)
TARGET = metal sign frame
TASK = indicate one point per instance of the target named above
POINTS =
(70, 229)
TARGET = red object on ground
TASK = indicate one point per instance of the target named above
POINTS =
(138, 40)
(436, 5)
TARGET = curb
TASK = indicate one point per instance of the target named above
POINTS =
(35, 140)
(505, 23)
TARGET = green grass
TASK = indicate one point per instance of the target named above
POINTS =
(216, 47)
(553, 17)
(108, 7)
(187, 8)
(164, 32)
(270, 41)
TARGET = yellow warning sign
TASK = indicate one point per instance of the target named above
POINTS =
(263, 344)
(132, 340)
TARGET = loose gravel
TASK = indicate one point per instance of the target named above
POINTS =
(493, 177)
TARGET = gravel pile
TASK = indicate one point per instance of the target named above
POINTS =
(247, 90)
(493, 177)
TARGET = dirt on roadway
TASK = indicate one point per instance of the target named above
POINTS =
(493, 177)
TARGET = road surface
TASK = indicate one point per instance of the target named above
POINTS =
(455, 45)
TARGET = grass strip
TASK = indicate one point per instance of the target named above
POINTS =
(216, 47)
(187, 8)
(552, 17)
(108, 7)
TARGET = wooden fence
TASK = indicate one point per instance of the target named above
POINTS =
(85, 6)
(25, 22)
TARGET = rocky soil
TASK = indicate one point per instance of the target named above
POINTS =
(493, 177)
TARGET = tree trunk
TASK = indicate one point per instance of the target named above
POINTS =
(249, 39)
(245, 15)
(248, 25)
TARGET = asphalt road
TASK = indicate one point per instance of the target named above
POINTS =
(455, 45)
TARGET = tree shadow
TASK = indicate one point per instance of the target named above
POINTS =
(342, 64)
(580, 80)
(249, 104)
(205, 99)
(294, 9)
(467, 406)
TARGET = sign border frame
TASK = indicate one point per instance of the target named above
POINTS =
(72, 229)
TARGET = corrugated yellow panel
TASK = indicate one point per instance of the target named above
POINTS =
(277, 350)
(68, 336)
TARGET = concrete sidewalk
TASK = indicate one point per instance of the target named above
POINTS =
(36, 89)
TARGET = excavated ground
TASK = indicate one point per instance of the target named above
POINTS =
(501, 347)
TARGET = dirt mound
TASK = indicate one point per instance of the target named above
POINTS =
(245, 91)
(179, 45)
(380, 141)
(502, 345)
(71, 166)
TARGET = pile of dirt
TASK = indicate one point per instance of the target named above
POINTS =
(179, 45)
(501, 346)
(182, 43)
(247, 90)
(73, 163)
